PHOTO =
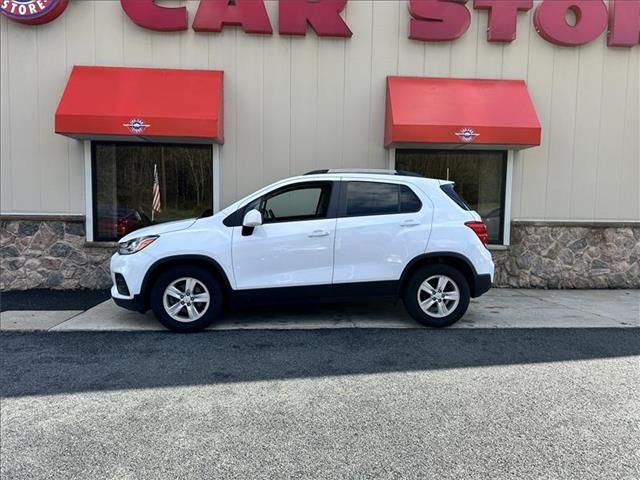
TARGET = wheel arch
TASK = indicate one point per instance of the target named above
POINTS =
(453, 259)
(165, 264)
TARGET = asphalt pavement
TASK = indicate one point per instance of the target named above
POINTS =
(335, 403)
(51, 300)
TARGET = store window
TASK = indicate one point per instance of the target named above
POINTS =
(124, 175)
(479, 175)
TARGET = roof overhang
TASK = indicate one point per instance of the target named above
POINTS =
(460, 113)
(149, 104)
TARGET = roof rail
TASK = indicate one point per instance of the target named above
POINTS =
(374, 171)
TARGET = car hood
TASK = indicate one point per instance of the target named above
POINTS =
(160, 229)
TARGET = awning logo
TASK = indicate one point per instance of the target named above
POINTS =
(136, 126)
(33, 12)
(467, 135)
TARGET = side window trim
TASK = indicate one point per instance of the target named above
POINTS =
(235, 219)
(342, 208)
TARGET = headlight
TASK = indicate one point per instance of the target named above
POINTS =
(135, 245)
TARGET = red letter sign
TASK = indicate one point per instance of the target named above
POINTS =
(323, 16)
(624, 29)
(438, 20)
(551, 23)
(503, 17)
(251, 15)
(149, 15)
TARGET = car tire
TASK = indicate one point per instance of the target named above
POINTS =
(437, 295)
(179, 299)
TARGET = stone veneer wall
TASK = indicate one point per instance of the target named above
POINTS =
(570, 255)
(52, 253)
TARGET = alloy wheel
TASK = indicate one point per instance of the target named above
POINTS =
(186, 299)
(438, 296)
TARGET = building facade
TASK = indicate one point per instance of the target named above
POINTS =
(312, 94)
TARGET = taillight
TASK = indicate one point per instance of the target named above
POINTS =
(480, 230)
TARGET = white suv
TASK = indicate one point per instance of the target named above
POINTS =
(327, 235)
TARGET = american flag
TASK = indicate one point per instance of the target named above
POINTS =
(155, 207)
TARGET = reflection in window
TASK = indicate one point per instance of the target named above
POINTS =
(376, 198)
(123, 178)
(479, 176)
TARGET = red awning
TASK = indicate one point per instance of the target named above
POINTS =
(449, 111)
(106, 102)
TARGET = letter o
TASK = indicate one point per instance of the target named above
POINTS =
(551, 23)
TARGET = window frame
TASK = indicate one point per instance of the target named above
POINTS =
(507, 186)
(235, 219)
(90, 171)
(342, 210)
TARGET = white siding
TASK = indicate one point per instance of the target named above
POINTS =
(296, 104)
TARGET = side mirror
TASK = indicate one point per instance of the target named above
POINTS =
(252, 219)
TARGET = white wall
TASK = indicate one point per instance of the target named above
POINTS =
(296, 104)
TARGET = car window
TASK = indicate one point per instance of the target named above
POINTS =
(450, 190)
(303, 201)
(292, 204)
(409, 201)
(376, 198)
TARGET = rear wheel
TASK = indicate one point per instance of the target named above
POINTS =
(186, 299)
(437, 295)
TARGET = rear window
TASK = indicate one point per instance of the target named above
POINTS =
(450, 190)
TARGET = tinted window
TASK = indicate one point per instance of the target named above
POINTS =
(374, 198)
(371, 198)
(450, 190)
(409, 202)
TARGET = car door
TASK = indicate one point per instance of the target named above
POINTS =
(294, 245)
(381, 227)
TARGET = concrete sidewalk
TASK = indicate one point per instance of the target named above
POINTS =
(500, 308)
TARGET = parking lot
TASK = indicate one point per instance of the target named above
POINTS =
(333, 403)
(530, 385)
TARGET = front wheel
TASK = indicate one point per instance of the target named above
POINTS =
(437, 295)
(186, 299)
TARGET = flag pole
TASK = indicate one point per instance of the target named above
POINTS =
(153, 193)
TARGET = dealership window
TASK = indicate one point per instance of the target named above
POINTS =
(123, 177)
(480, 177)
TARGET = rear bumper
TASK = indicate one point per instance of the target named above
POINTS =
(482, 284)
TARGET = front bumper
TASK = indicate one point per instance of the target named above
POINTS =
(133, 269)
(136, 303)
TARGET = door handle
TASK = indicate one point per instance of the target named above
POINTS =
(318, 233)
(409, 223)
